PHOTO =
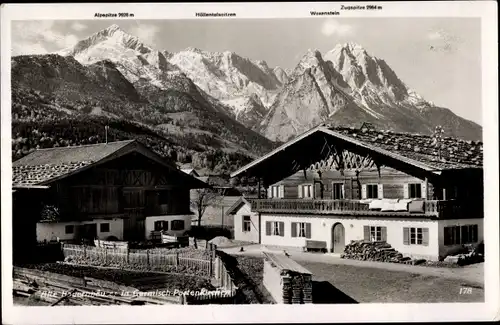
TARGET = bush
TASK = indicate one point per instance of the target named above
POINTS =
(208, 232)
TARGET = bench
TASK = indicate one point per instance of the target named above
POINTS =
(315, 245)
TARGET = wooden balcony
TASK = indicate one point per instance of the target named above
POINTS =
(431, 208)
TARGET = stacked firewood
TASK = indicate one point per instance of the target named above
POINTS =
(297, 289)
(373, 251)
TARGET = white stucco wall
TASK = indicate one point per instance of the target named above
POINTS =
(445, 250)
(249, 236)
(49, 231)
(149, 224)
(321, 229)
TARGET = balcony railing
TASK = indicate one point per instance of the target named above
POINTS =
(432, 208)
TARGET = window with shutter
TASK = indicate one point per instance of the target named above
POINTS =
(380, 191)
(294, 229)
(299, 191)
(268, 228)
(363, 191)
(281, 229)
(425, 236)
(406, 236)
(424, 190)
(282, 191)
(384, 234)
(366, 233)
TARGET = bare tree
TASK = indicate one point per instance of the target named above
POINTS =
(202, 199)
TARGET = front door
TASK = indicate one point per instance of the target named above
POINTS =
(338, 238)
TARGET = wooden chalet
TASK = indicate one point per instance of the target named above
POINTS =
(118, 190)
(422, 194)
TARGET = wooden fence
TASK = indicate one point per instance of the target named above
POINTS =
(142, 259)
(162, 260)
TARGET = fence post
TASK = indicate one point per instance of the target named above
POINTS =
(147, 257)
(211, 266)
(128, 255)
(85, 251)
(105, 255)
(177, 259)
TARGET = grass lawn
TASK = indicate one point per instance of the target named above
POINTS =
(351, 284)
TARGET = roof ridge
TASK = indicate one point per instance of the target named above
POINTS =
(86, 145)
(333, 128)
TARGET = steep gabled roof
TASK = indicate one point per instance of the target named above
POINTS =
(419, 151)
(44, 166)
(236, 206)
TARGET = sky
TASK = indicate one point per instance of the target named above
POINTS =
(440, 58)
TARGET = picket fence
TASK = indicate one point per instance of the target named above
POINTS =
(150, 259)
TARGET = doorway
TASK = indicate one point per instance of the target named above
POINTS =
(338, 238)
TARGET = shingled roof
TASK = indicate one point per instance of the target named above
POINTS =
(46, 165)
(449, 153)
(43, 165)
(421, 151)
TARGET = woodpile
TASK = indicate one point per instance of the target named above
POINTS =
(373, 251)
(297, 288)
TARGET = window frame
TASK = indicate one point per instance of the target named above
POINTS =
(175, 222)
(375, 191)
(412, 187)
(340, 190)
(247, 224)
(275, 228)
(301, 229)
(414, 238)
(377, 230)
(458, 239)
(104, 224)
(66, 227)
(310, 188)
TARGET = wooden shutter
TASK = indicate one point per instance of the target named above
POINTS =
(406, 236)
(342, 190)
(268, 228)
(425, 236)
(380, 190)
(299, 189)
(406, 193)
(282, 228)
(269, 192)
(458, 237)
(475, 233)
(424, 190)
(366, 233)
(282, 191)
(363, 191)
(294, 229)
(308, 230)
(447, 236)
(383, 233)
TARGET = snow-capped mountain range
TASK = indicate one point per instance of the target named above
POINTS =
(345, 85)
